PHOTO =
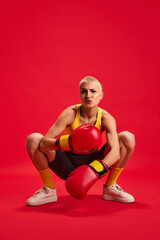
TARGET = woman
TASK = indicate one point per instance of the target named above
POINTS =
(46, 154)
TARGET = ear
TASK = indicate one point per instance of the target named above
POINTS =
(102, 95)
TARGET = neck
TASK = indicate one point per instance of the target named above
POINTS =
(89, 112)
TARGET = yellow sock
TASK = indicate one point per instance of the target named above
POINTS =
(46, 178)
(113, 176)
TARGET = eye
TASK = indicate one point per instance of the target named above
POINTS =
(93, 91)
(83, 91)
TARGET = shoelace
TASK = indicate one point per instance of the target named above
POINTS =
(40, 191)
(119, 188)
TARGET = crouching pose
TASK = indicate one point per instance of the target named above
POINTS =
(77, 156)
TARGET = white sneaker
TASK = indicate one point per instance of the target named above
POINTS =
(115, 193)
(42, 196)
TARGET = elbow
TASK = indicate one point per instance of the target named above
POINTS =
(47, 144)
(41, 145)
(118, 156)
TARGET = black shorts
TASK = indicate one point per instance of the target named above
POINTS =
(65, 161)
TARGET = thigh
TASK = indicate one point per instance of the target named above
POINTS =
(80, 159)
(61, 165)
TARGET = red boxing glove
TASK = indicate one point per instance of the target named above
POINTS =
(84, 177)
(85, 137)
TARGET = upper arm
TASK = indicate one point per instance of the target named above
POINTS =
(65, 118)
(109, 125)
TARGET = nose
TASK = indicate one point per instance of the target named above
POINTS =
(88, 94)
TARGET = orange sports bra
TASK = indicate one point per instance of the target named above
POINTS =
(76, 124)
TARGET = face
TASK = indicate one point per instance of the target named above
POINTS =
(90, 94)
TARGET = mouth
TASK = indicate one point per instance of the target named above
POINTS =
(88, 101)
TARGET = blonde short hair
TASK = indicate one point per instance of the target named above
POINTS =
(91, 79)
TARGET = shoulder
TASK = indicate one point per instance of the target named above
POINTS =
(107, 120)
(106, 115)
(68, 115)
(71, 110)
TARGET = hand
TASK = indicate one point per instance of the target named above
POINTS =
(84, 177)
(85, 137)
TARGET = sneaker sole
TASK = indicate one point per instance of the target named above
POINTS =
(109, 198)
(47, 200)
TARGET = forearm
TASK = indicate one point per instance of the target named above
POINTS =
(47, 144)
(112, 157)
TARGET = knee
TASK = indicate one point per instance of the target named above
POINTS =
(128, 140)
(32, 142)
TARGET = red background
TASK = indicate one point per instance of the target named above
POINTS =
(47, 47)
